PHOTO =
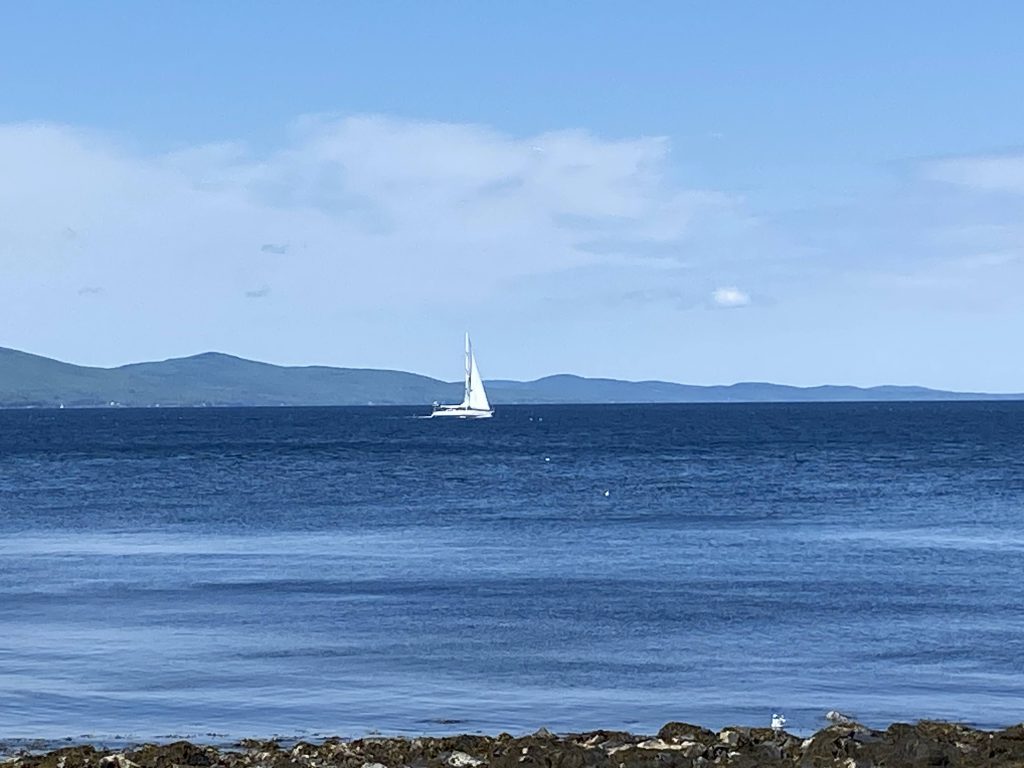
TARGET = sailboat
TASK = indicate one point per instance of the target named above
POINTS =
(474, 403)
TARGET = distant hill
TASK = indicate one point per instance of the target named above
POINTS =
(215, 379)
(565, 388)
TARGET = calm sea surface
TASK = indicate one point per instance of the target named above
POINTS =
(301, 571)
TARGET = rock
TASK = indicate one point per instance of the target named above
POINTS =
(545, 752)
(259, 745)
(676, 732)
(462, 760)
(913, 747)
(729, 736)
(117, 761)
(838, 718)
(67, 757)
(692, 749)
(604, 739)
(1005, 746)
(677, 745)
(769, 752)
(657, 744)
(831, 746)
(176, 753)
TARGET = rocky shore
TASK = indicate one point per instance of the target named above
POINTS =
(676, 745)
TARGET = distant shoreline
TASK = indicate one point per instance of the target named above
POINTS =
(218, 380)
(426, 407)
(675, 745)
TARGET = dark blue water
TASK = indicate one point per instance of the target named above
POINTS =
(297, 571)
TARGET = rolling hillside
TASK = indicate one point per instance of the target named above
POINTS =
(215, 379)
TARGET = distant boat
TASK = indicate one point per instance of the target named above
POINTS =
(474, 403)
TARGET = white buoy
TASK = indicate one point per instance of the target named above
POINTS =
(607, 493)
(547, 458)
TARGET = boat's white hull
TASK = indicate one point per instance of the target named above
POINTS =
(460, 413)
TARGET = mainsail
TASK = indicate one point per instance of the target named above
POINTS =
(476, 397)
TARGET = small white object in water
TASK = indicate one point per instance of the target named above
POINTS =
(547, 458)
(607, 493)
(778, 721)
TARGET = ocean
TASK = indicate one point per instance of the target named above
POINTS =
(220, 573)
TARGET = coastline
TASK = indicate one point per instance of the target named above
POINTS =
(676, 745)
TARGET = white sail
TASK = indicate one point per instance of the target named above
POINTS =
(474, 403)
(476, 397)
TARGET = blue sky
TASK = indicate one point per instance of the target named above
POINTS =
(708, 193)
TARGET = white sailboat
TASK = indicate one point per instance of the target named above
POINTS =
(474, 403)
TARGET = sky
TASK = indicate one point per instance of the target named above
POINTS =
(796, 192)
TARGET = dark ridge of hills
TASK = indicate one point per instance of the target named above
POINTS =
(215, 379)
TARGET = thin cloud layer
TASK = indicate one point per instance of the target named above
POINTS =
(994, 173)
(730, 296)
(373, 213)
(371, 193)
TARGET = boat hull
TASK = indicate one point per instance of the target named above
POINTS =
(460, 413)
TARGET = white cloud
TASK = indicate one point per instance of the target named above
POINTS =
(1004, 173)
(730, 296)
(976, 261)
(375, 241)
(378, 215)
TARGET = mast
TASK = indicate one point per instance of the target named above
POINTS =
(469, 370)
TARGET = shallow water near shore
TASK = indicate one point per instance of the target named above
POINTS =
(240, 572)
